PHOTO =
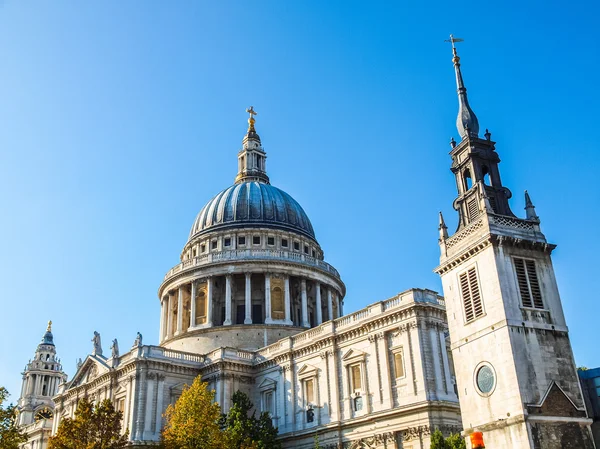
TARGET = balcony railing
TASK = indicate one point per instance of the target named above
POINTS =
(252, 254)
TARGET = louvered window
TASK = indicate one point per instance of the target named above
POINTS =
(492, 200)
(469, 287)
(529, 285)
(473, 209)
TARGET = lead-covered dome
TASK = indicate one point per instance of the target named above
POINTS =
(252, 204)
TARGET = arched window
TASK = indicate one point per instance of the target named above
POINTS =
(468, 180)
(486, 175)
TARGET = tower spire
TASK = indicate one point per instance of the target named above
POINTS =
(466, 122)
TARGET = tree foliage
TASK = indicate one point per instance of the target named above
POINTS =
(10, 434)
(243, 430)
(96, 427)
(454, 441)
(194, 421)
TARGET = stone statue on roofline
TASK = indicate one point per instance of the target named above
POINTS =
(97, 344)
(138, 341)
(115, 349)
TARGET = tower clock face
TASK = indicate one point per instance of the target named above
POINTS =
(44, 413)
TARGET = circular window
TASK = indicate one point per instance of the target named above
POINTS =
(485, 379)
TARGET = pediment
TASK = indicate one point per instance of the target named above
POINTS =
(307, 370)
(267, 384)
(556, 403)
(178, 388)
(353, 354)
(93, 367)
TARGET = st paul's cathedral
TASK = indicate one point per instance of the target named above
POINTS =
(253, 306)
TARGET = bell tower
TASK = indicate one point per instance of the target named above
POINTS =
(41, 378)
(516, 375)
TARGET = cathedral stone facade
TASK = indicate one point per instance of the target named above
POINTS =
(253, 306)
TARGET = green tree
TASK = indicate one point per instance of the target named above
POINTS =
(96, 427)
(193, 422)
(10, 434)
(437, 440)
(455, 441)
(243, 430)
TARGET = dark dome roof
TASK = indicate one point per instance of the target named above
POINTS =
(252, 204)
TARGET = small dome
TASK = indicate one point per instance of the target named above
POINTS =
(252, 204)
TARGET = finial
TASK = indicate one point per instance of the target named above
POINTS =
(452, 142)
(530, 208)
(466, 121)
(49, 328)
(488, 134)
(251, 120)
(443, 228)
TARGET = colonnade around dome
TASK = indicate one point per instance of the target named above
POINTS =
(247, 298)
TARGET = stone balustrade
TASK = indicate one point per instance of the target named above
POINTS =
(252, 254)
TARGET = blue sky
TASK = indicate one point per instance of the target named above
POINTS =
(120, 120)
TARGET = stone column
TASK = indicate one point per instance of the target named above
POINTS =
(179, 310)
(268, 319)
(305, 322)
(329, 304)
(288, 305)
(159, 402)
(139, 422)
(435, 354)
(248, 299)
(168, 324)
(446, 363)
(318, 301)
(148, 432)
(37, 387)
(161, 335)
(227, 321)
(209, 299)
(193, 306)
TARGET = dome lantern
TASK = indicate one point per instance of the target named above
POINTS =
(252, 158)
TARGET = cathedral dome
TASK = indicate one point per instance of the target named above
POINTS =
(252, 204)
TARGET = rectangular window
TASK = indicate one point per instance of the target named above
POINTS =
(227, 241)
(306, 249)
(355, 379)
(529, 286)
(469, 287)
(256, 240)
(213, 244)
(241, 240)
(194, 253)
(473, 209)
(309, 391)
(270, 241)
(297, 246)
(284, 243)
(399, 364)
(203, 248)
(314, 253)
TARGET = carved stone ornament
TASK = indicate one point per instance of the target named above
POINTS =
(373, 442)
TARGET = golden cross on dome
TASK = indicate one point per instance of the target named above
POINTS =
(49, 328)
(251, 120)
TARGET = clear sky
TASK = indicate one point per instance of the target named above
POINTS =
(120, 120)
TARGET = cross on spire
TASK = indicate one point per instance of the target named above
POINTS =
(251, 120)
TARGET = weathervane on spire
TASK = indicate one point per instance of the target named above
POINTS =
(251, 120)
(452, 40)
